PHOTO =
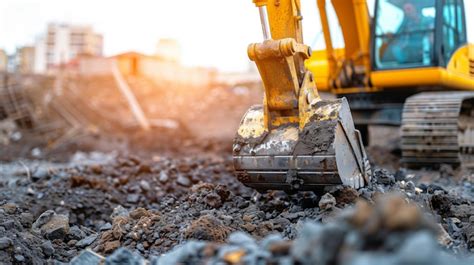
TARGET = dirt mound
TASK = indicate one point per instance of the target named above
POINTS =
(392, 231)
(150, 205)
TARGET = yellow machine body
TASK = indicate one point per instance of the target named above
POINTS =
(433, 131)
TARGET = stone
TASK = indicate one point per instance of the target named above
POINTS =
(181, 254)
(213, 200)
(87, 257)
(144, 185)
(26, 219)
(9, 224)
(40, 173)
(86, 241)
(327, 202)
(470, 236)
(443, 237)
(43, 219)
(5, 243)
(140, 247)
(105, 227)
(419, 248)
(76, 233)
(9, 208)
(400, 174)
(124, 256)
(396, 214)
(19, 258)
(318, 244)
(47, 248)
(183, 181)
(382, 176)
(271, 239)
(133, 198)
(345, 195)
(163, 177)
(463, 211)
(207, 227)
(240, 239)
(139, 213)
(56, 228)
(119, 211)
(111, 246)
(446, 171)
(410, 186)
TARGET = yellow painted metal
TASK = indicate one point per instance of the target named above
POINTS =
(280, 62)
(330, 55)
(462, 62)
(253, 125)
(260, 3)
(318, 64)
(430, 76)
(285, 19)
(354, 19)
(295, 140)
(456, 75)
(326, 65)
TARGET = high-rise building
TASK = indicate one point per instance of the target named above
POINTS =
(3, 60)
(25, 59)
(63, 42)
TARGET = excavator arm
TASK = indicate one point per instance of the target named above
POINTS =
(294, 140)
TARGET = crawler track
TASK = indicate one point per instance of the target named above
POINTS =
(437, 127)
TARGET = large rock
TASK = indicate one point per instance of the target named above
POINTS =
(5, 243)
(86, 241)
(51, 225)
(47, 248)
(76, 233)
(207, 227)
(318, 244)
(327, 202)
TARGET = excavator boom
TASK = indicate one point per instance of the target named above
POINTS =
(410, 66)
(295, 140)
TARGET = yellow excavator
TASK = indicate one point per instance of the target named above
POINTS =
(409, 65)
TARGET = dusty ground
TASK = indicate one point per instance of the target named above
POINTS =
(169, 196)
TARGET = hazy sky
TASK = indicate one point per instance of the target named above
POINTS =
(211, 32)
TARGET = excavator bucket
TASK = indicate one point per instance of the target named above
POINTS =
(295, 140)
(326, 150)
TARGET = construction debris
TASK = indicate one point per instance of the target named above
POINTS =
(86, 185)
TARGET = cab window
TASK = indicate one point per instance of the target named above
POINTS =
(454, 34)
(404, 33)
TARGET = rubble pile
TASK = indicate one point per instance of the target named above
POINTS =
(118, 194)
(392, 231)
(88, 113)
(152, 205)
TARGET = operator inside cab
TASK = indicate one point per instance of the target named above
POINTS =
(405, 33)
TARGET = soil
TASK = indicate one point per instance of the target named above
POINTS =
(170, 197)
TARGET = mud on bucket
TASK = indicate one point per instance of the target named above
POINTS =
(327, 151)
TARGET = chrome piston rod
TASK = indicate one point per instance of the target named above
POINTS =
(262, 10)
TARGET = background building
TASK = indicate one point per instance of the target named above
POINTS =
(3, 60)
(63, 42)
(25, 60)
(168, 50)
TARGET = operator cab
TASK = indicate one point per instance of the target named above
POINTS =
(422, 33)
